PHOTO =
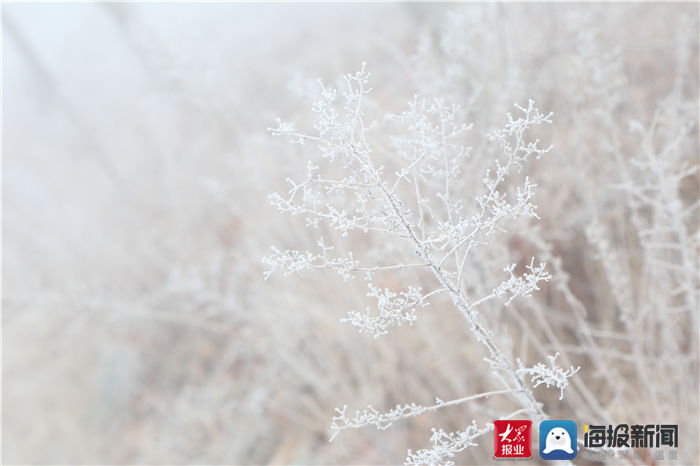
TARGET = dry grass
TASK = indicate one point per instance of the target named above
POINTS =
(137, 327)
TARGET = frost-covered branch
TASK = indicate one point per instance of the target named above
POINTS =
(524, 285)
(549, 375)
(418, 208)
(371, 416)
(394, 310)
(292, 261)
(446, 444)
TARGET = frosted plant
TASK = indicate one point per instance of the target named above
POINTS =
(446, 444)
(549, 375)
(413, 197)
(622, 301)
(524, 285)
(291, 261)
(394, 309)
(371, 416)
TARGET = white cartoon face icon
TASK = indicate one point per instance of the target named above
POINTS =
(558, 439)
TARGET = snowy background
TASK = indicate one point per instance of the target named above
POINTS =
(137, 327)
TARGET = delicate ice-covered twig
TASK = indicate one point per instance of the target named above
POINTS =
(552, 375)
(524, 285)
(447, 444)
(292, 261)
(429, 157)
(371, 416)
(394, 310)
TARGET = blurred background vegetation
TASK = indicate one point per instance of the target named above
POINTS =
(137, 327)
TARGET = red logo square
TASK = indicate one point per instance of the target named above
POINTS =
(512, 439)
